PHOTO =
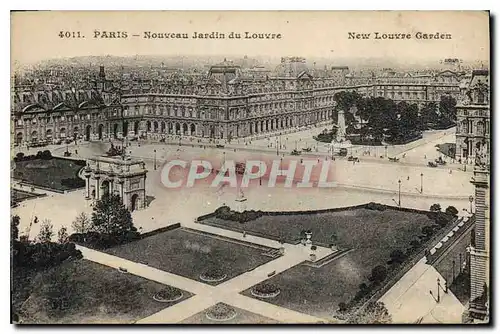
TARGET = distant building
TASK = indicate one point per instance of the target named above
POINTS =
(226, 102)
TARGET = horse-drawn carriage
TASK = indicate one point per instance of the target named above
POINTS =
(394, 159)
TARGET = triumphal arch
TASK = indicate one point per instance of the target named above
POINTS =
(121, 176)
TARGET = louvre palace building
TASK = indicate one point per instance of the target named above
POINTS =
(225, 102)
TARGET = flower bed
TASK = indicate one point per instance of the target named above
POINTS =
(265, 290)
(221, 312)
(213, 275)
(167, 295)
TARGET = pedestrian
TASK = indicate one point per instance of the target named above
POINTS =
(244, 234)
(408, 178)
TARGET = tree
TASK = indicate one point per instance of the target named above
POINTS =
(373, 313)
(397, 256)
(46, 231)
(429, 114)
(436, 207)
(428, 231)
(447, 108)
(451, 210)
(82, 223)
(379, 273)
(111, 217)
(62, 235)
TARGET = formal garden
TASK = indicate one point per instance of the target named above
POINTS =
(48, 172)
(376, 241)
(51, 283)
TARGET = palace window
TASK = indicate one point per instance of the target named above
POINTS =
(480, 97)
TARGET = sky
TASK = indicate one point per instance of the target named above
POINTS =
(35, 35)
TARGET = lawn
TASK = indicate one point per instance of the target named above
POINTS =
(84, 292)
(370, 234)
(20, 195)
(358, 228)
(190, 253)
(48, 173)
(242, 317)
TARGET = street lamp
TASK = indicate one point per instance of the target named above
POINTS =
(154, 160)
(421, 183)
(386, 151)
(399, 194)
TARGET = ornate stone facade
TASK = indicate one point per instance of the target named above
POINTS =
(473, 118)
(473, 143)
(118, 176)
(228, 103)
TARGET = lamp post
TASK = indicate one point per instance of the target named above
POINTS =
(421, 183)
(471, 200)
(399, 194)
(386, 151)
(439, 295)
(154, 159)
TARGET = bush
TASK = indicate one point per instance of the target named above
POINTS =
(428, 231)
(363, 291)
(397, 256)
(440, 218)
(46, 155)
(19, 157)
(436, 207)
(97, 240)
(43, 255)
(225, 213)
(379, 273)
(452, 211)
(375, 206)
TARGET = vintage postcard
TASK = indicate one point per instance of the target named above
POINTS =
(232, 167)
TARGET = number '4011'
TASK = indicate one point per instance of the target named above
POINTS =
(70, 34)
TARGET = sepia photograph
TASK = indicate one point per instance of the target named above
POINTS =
(250, 167)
